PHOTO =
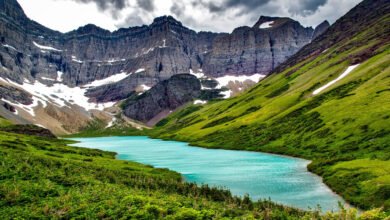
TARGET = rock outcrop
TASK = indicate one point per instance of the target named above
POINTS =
(320, 29)
(29, 130)
(15, 95)
(166, 95)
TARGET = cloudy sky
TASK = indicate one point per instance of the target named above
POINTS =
(208, 15)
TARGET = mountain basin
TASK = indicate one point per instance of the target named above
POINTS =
(285, 180)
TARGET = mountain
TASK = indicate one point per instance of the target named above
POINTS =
(85, 73)
(328, 103)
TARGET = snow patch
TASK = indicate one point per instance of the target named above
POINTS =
(74, 59)
(39, 125)
(199, 102)
(226, 94)
(115, 60)
(346, 72)
(164, 44)
(140, 70)
(46, 47)
(10, 47)
(111, 123)
(58, 94)
(111, 79)
(224, 81)
(266, 25)
(49, 79)
(205, 88)
(198, 75)
(145, 87)
(28, 108)
(149, 50)
(59, 76)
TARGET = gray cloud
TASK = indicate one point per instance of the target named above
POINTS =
(106, 4)
(306, 7)
(246, 5)
(217, 15)
(112, 6)
(178, 9)
(147, 5)
(131, 20)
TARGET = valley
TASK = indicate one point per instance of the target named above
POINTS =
(271, 121)
(307, 110)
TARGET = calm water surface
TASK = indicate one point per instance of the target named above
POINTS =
(283, 179)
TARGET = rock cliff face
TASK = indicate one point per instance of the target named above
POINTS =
(162, 49)
(31, 53)
(166, 95)
(258, 49)
(320, 29)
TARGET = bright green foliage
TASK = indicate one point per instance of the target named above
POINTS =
(345, 124)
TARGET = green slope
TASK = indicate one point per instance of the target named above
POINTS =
(345, 129)
(42, 178)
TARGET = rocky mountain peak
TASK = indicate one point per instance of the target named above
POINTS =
(12, 9)
(90, 29)
(320, 29)
(266, 22)
(166, 19)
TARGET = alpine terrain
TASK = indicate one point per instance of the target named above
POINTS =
(86, 73)
(328, 103)
(319, 94)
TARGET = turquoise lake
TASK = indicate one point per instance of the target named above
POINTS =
(283, 179)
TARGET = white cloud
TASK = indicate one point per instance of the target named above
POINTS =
(208, 15)
(66, 15)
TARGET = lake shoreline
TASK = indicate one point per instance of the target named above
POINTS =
(297, 159)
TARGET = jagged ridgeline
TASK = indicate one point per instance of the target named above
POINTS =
(328, 103)
(88, 72)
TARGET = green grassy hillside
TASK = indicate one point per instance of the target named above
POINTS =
(344, 130)
(41, 177)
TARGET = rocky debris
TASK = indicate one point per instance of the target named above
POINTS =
(72, 119)
(15, 95)
(209, 83)
(320, 29)
(9, 107)
(29, 130)
(166, 95)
